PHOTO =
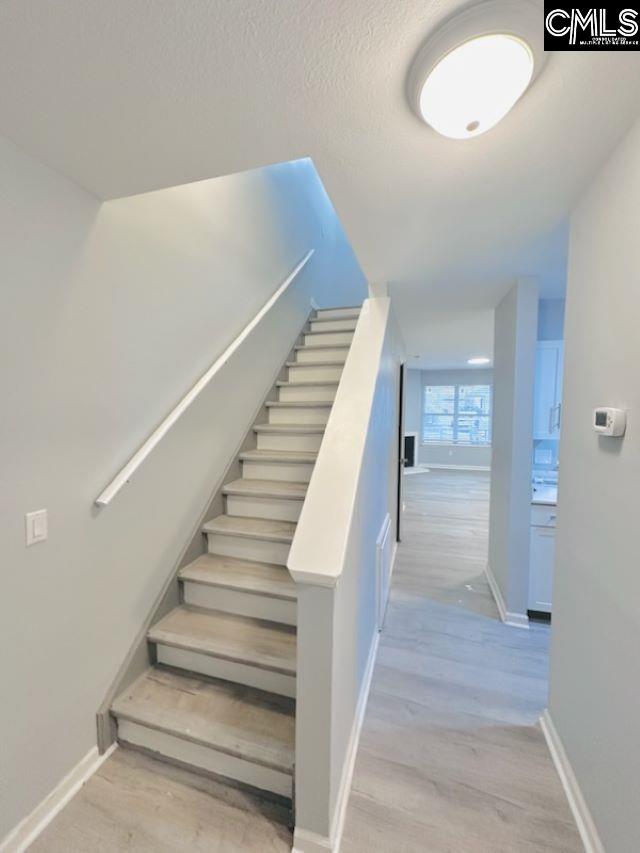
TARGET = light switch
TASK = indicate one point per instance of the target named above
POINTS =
(36, 526)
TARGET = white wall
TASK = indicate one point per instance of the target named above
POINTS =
(551, 319)
(443, 454)
(594, 687)
(109, 313)
(413, 401)
(510, 504)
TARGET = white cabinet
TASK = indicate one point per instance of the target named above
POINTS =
(542, 557)
(548, 390)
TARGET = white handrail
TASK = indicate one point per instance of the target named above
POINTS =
(124, 475)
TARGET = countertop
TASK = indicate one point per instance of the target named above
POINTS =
(545, 494)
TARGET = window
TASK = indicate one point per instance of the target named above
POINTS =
(457, 414)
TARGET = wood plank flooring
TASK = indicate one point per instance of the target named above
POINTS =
(451, 759)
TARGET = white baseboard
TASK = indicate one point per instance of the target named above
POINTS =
(394, 554)
(26, 832)
(577, 803)
(515, 620)
(310, 842)
(447, 467)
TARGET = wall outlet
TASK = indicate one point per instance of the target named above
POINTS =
(37, 526)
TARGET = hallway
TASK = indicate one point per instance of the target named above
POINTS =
(451, 759)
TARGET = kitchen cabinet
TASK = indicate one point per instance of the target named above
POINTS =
(547, 408)
(542, 557)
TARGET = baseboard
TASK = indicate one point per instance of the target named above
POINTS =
(310, 842)
(447, 467)
(577, 803)
(515, 620)
(394, 554)
(26, 832)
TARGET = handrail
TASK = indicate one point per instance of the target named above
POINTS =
(125, 474)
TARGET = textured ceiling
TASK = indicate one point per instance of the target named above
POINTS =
(130, 95)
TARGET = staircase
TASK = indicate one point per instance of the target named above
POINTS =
(220, 696)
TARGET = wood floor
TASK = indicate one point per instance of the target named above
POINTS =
(451, 759)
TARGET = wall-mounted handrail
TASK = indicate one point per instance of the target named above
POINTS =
(125, 474)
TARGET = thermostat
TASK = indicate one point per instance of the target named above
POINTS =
(608, 421)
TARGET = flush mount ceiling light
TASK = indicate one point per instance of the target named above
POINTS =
(473, 69)
(479, 359)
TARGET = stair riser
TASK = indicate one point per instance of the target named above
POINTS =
(272, 508)
(302, 415)
(241, 603)
(277, 441)
(309, 356)
(287, 472)
(240, 673)
(334, 326)
(338, 313)
(308, 394)
(259, 550)
(202, 758)
(311, 339)
(315, 374)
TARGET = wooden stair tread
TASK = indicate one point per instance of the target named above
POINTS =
(242, 575)
(299, 404)
(291, 456)
(255, 642)
(306, 429)
(331, 363)
(251, 528)
(231, 718)
(310, 383)
(322, 346)
(266, 489)
(330, 331)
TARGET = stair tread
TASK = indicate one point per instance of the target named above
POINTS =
(322, 346)
(310, 383)
(306, 456)
(242, 575)
(252, 528)
(231, 718)
(291, 428)
(266, 489)
(256, 642)
(331, 363)
(299, 404)
(328, 331)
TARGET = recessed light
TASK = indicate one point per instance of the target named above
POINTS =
(479, 359)
(472, 71)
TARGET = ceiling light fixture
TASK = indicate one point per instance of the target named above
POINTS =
(479, 359)
(473, 69)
